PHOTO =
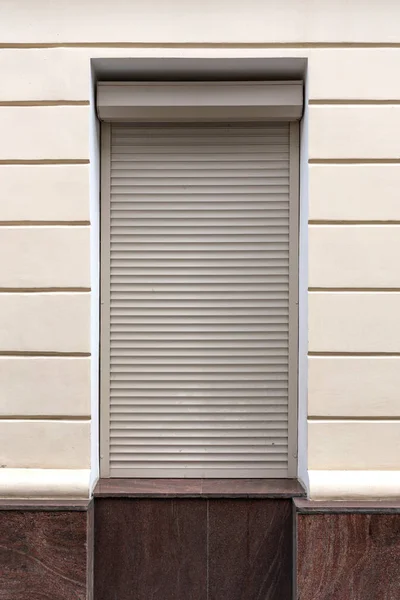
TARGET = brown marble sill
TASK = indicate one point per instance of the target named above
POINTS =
(304, 506)
(44, 505)
(198, 488)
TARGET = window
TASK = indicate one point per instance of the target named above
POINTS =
(199, 293)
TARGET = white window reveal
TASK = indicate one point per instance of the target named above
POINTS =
(199, 299)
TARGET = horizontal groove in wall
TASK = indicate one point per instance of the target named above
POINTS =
(27, 419)
(353, 102)
(354, 289)
(354, 161)
(57, 418)
(354, 222)
(44, 223)
(228, 45)
(46, 161)
(31, 103)
(356, 419)
(38, 290)
(344, 354)
(44, 353)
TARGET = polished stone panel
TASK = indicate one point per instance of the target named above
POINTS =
(90, 553)
(43, 555)
(252, 488)
(193, 549)
(150, 549)
(250, 550)
(348, 556)
(201, 488)
(147, 488)
(305, 506)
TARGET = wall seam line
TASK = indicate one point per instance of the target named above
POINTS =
(44, 354)
(323, 353)
(355, 289)
(350, 419)
(38, 103)
(56, 418)
(25, 223)
(349, 223)
(353, 102)
(45, 290)
(45, 161)
(194, 45)
(354, 161)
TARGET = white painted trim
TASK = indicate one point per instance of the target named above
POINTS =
(354, 485)
(105, 281)
(94, 196)
(302, 461)
(294, 166)
(34, 484)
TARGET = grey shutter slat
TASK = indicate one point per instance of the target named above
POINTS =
(199, 301)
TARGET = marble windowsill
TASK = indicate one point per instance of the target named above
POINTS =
(304, 506)
(44, 505)
(199, 488)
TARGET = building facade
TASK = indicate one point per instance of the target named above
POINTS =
(327, 525)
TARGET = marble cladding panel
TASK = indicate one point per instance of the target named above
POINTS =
(197, 549)
(150, 549)
(44, 555)
(250, 550)
(349, 556)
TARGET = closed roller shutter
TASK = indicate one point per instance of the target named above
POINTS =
(197, 302)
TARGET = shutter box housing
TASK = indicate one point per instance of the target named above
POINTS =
(200, 101)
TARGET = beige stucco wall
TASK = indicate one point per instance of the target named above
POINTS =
(353, 52)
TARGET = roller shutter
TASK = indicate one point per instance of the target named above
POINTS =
(196, 253)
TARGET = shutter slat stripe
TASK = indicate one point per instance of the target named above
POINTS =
(199, 296)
